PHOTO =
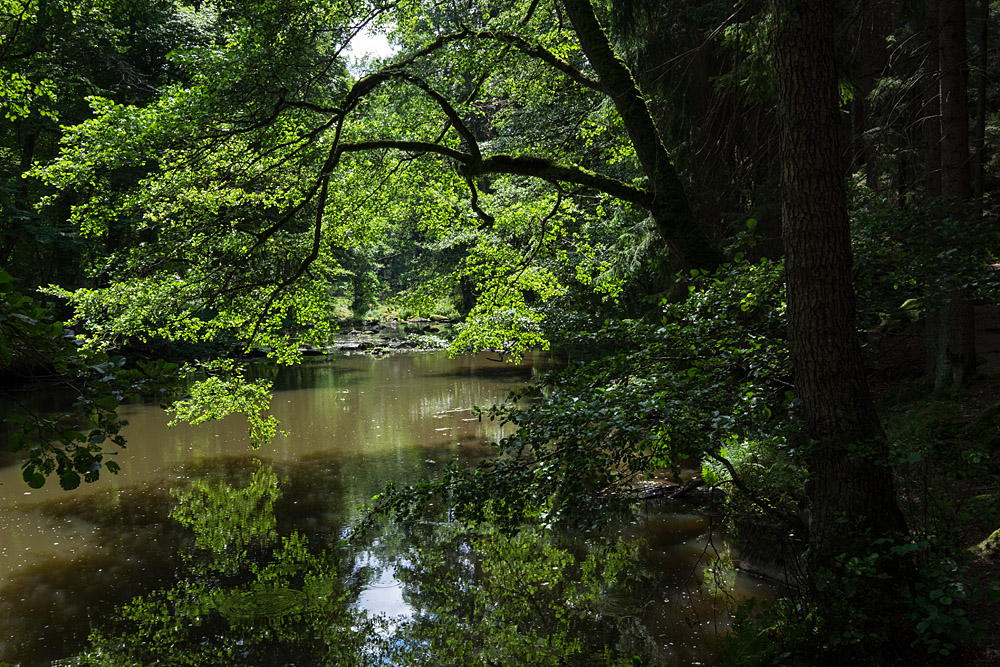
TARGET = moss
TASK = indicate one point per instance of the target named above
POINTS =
(902, 396)
(984, 430)
(990, 546)
(925, 420)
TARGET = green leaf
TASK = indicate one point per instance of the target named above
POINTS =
(15, 442)
(107, 403)
(69, 480)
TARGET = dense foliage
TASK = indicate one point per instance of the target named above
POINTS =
(212, 180)
(653, 398)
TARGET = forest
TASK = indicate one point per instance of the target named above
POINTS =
(760, 236)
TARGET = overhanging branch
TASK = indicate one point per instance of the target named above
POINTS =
(418, 147)
(553, 171)
(543, 54)
(535, 167)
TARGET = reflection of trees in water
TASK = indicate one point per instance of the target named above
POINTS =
(487, 598)
(243, 595)
(316, 375)
(228, 522)
(245, 591)
(540, 597)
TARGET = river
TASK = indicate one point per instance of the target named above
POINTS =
(69, 560)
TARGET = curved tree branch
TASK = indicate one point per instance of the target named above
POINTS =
(543, 54)
(551, 170)
(543, 168)
(419, 147)
(514, 277)
(307, 261)
(452, 114)
(670, 207)
(474, 197)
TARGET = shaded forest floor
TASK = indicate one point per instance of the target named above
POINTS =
(986, 394)
(943, 492)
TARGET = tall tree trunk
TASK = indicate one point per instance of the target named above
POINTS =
(951, 331)
(864, 146)
(931, 113)
(851, 490)
(931, 127)
(979, 135)
(955, 175)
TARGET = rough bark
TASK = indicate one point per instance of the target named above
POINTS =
(931, 113)
(852, 495)
(951, 331)
(979, 135)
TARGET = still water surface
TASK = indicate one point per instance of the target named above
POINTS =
(69, 558)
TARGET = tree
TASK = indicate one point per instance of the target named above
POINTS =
(327, 135)
(982, 90)
(931, 113)
(321, 125)
(53, 55)
(852, 496)
(951, 328)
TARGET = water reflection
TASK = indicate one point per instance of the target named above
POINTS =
(457, 596)
(66, 558)
(122, 545)
(242, 593)
(207, 545)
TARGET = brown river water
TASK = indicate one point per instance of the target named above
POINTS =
(68, 559)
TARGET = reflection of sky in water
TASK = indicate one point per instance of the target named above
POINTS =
(383, 595)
